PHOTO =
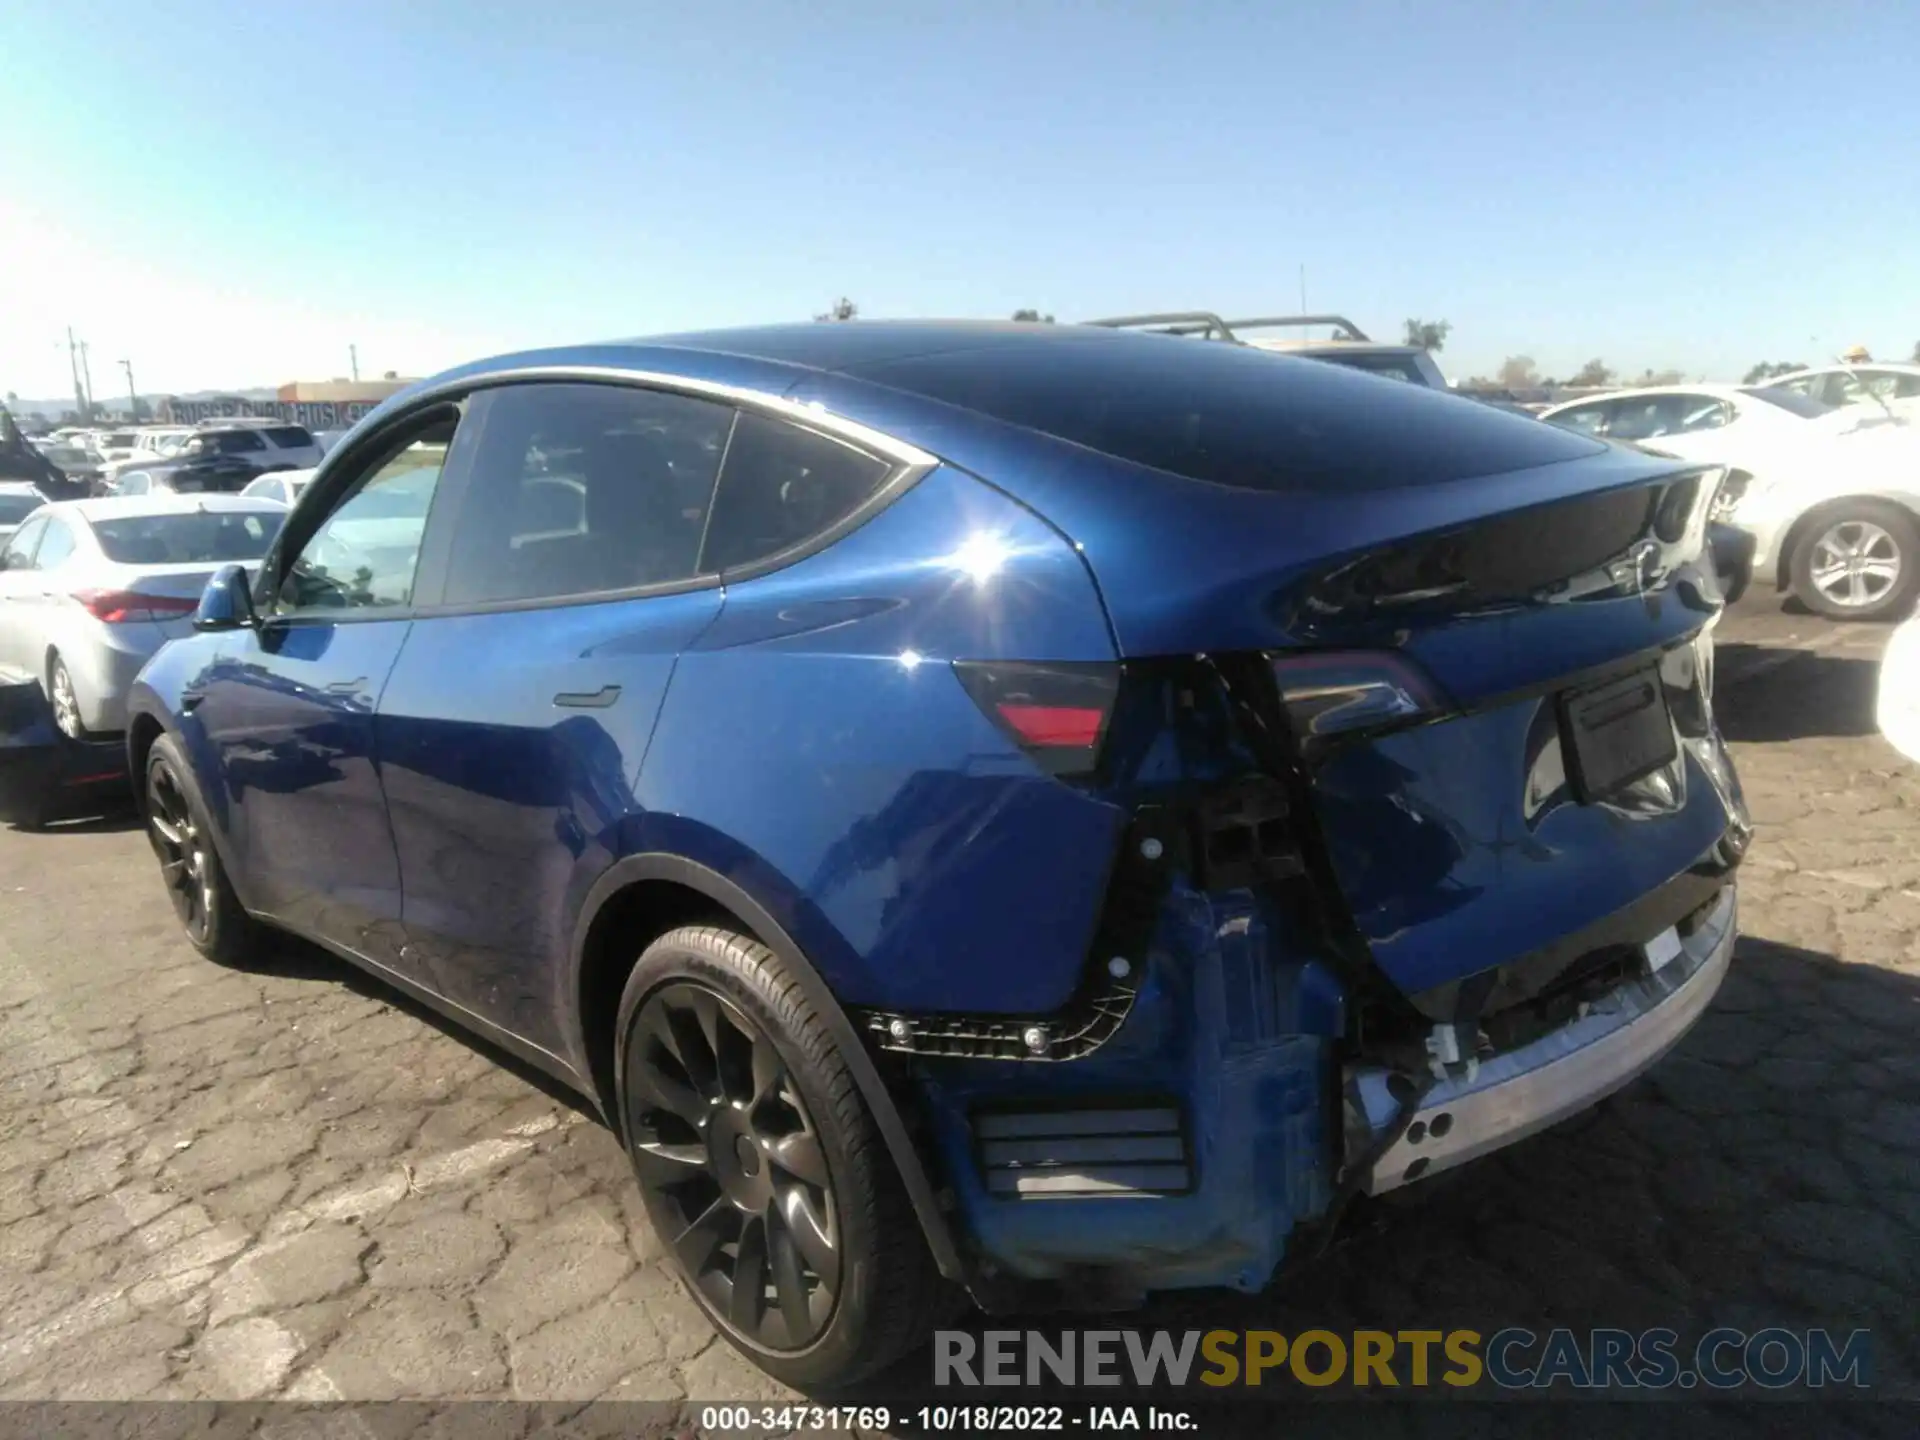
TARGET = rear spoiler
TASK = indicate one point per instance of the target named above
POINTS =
(1209, 326)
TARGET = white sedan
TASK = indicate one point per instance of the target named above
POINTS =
(89, 589)
(1892, 383)
(1831, 496)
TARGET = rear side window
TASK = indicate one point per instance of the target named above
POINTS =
(1233, 415)
(584, 489)
(199, 537)
(784, 486)
(288, 435)
(236, 442)
(1588, 419)
(55, 546)
(1804, 406)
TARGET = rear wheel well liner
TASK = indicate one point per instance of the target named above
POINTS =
(654, 888)
(142, 731)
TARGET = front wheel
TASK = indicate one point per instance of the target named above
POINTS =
(1858, 562)
(761, 1169)
(217, 925)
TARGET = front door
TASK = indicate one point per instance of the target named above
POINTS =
(289, 707)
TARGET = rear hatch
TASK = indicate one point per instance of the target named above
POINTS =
(1506, 727)
(1504, 723)
(1487, 630)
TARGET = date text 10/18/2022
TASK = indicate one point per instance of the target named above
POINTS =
(955, 1419)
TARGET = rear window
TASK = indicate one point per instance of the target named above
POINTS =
(196, 538)
(1234, 416)
(289, 435)
(15, 508)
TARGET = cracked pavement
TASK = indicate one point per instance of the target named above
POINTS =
(292, 1184)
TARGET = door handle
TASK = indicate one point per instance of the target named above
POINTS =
(588, 699)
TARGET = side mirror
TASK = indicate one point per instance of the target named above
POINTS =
(227, 602)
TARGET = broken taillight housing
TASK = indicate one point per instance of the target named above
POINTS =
(1057, 712)
(1332, 692)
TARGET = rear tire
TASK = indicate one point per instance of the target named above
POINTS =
(748, 1133)
(1858, 561)
(64, 699)
(217, 925)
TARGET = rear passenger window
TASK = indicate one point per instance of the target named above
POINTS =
(289, 435)
(55, 547)
(584, 489)
(783, 486)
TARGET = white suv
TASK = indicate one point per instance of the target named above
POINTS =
(272, 444)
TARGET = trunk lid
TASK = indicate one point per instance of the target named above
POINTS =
(1501, 820)
(1565, 766)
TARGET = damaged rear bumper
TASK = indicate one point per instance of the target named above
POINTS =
(1514, 1094)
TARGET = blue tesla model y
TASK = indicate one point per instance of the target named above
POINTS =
(1037, 812)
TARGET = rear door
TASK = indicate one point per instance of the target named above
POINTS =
(513, 726)
(289, 708)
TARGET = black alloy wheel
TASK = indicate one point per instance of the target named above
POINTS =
(731, 1167)
(186, 862)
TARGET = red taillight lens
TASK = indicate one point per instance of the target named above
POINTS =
(1334, 691)
(1056, 713)
(120, 607)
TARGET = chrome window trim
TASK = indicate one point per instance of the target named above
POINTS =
(810, 413)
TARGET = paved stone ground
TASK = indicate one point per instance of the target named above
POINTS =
(228, 1185)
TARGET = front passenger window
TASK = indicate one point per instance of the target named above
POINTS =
(364, 554)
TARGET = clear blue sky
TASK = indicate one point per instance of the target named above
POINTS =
(1690, 184)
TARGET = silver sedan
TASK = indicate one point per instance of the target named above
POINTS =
(89, 589)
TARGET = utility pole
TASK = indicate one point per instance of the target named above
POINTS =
(133, 395)
(86, 374)
(353, 357)
(73, 366)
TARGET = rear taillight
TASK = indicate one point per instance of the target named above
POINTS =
(1056, 713)
(1335, 691)
(121, 607)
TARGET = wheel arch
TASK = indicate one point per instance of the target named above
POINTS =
(142, 730)
(1814, 514)
(642, 897)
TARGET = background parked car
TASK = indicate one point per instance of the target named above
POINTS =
(222, 459)
(1831, 496)
(20, 460)
(277, 445)
(1892, 383)
(18, 500)
(90, 588)
(151, 445)
(282, 485)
